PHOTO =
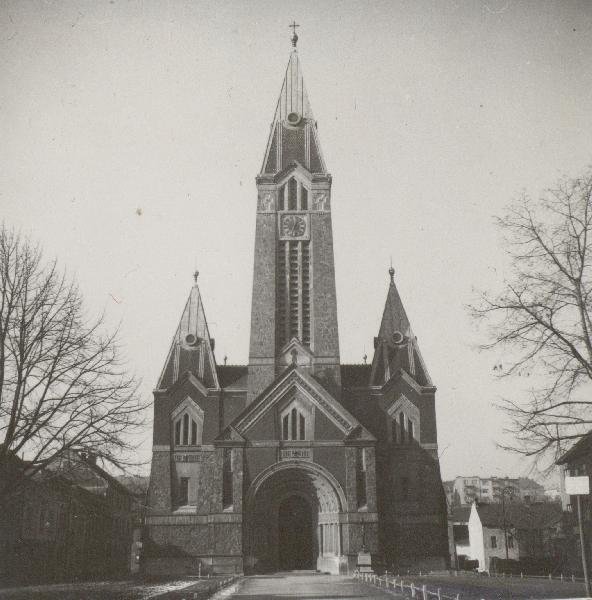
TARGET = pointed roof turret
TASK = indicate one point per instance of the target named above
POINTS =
(396, 346)
(293, 135)
(192, 349)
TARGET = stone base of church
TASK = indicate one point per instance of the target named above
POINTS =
(333, 565)
(194, 566)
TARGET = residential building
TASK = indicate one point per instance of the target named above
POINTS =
(294, 460)
(528, 534)
(465, 490)
(70, 521)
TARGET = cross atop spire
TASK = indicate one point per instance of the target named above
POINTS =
(293, 26)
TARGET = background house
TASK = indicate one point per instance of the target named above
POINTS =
(465, 490)
(531, 536)
(70, 521)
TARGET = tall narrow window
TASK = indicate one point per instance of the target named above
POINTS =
(294, 419)
(294, 425)
(394, 430)
(402, 428)
(187, 430)
(361, 477)
(404, 488)
(410, 434)
(227, 496)
(183, 491)
(292, 194)
(303, 198)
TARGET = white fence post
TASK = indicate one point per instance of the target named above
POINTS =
(439, 594)
(424, 589)
(412, 590)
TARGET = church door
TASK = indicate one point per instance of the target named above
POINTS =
(295, 539)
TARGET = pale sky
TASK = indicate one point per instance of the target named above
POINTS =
(132, 133)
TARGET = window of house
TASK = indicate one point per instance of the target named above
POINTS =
(361, 477)
(183, 491)
(410, 435)
(510, 541)
(227, 495)
(494, 541)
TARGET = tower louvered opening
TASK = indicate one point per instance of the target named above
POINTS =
(293, 302)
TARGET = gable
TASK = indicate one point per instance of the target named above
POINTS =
(261, 419)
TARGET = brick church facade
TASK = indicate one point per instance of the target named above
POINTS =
(294, 461)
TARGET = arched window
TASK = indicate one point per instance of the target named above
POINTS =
(294, 425)
(404, 420)
(187, 421)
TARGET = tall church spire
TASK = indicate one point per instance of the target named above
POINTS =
(294, 304)
(293, 135)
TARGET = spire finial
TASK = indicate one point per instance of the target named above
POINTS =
(392, 271)
(195, 275)
(293, 26)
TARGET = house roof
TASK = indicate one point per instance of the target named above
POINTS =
(583, 447)
(460, 514)
(540, 515)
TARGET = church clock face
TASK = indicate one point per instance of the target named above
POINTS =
(293, 227)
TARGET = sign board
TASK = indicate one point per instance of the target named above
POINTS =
(577, 486)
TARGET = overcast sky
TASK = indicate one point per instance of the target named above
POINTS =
(132, 133)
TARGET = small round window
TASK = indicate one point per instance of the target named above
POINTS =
(294, 118)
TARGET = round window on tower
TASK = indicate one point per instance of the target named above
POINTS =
(294, 118)
(398, 337)
(191, 339)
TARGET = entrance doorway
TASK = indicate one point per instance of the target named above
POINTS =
(295, 534)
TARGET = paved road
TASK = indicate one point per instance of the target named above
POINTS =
(285, 586)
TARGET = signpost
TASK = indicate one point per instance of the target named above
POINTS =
(579, 486)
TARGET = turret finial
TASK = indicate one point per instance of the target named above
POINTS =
(195, 275)
(293, 26)
(392, 273)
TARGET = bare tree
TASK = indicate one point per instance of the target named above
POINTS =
(541, 319)
(63, 386)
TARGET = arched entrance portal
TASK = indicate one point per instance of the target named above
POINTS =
(296, 543)
(291, 519)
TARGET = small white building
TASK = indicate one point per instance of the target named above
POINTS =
(511, 531)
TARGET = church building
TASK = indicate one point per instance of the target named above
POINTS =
(295, 460)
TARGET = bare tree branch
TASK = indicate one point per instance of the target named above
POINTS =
(63, 385)
(541, 319)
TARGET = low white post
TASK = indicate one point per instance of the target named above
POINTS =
(412, 590)
(439, 594)
(424, 590)
(550, 577)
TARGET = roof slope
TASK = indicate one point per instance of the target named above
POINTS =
(582, 448)
(540, 515)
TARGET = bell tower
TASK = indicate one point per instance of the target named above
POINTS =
(294, 309)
